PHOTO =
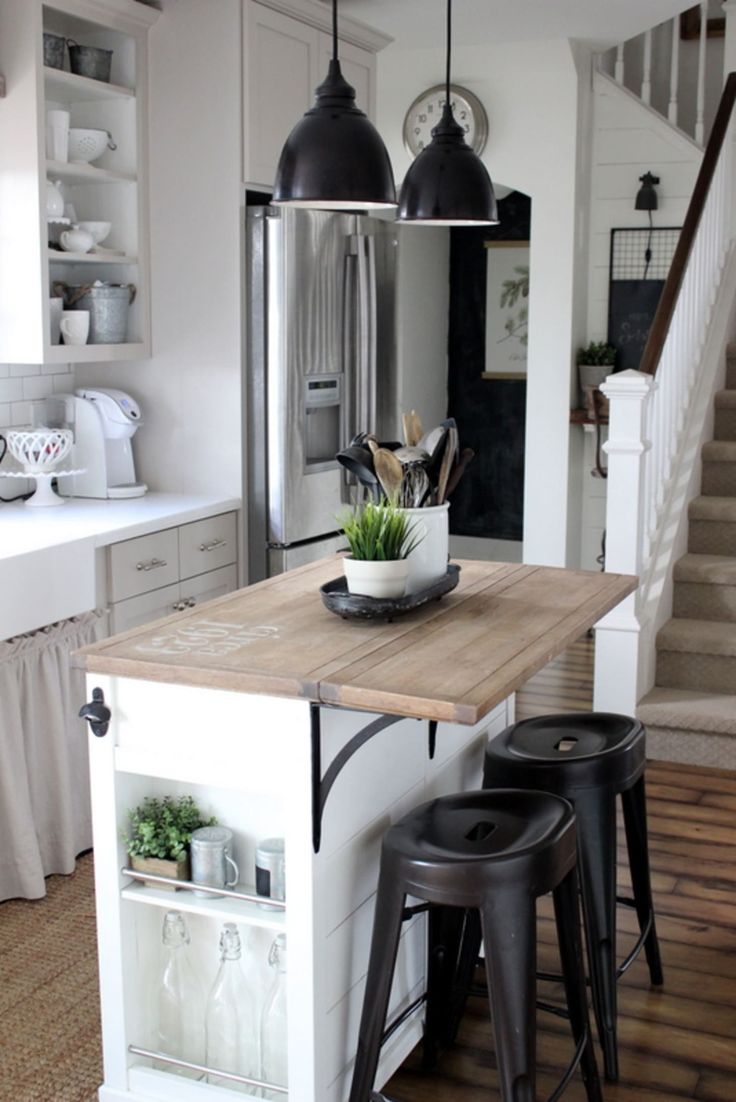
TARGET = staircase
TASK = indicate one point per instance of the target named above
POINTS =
(690, 714)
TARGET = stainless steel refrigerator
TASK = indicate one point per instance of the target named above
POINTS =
(320, 367)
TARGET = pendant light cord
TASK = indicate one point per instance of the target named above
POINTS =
(334, 30)
(447, 67)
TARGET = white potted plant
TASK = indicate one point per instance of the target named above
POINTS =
(595, 363)
(380, 537)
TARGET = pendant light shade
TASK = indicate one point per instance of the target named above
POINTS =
(334, 157)
(448, 184)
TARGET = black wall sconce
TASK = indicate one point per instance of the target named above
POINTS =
(646, 196)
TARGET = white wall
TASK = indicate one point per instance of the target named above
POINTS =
(190, 390)
(530, 92)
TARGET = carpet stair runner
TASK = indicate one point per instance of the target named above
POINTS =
(690, 714)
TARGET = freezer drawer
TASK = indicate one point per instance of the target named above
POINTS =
(287, 558)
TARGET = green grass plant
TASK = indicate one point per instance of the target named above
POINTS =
(379, 532)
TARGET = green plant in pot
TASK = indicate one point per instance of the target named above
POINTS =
(158, 835)
(380, 537)
(595, 363)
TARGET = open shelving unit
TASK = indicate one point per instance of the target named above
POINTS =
(112, 189)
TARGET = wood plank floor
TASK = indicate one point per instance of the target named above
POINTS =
(676, 1042)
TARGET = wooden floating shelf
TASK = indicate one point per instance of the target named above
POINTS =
(86, 174)
(69, 88)
(57, 257)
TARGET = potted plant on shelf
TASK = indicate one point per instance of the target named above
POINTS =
(595, 363)
(159, 834)
(380, 537)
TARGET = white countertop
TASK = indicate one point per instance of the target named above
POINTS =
(47, 556)
(100, 523)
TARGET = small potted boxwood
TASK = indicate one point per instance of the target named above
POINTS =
(595, 363)
(159, 833)
(380, 537)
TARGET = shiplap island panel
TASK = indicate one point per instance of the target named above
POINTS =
(247, 703)
(452, 660)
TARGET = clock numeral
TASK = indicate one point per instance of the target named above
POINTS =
(422, 118)
(420, 145)
(430, 108)
(467, 128)
(417, 130)
(463, 114)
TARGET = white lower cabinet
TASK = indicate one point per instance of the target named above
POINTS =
(247, 759)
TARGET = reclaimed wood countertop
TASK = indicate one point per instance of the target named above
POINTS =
(451, 660)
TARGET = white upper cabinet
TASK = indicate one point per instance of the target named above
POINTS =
(286, 51)
(112, 188)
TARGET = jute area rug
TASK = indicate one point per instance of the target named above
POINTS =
(49, 1003)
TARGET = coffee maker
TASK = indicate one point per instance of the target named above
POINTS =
(104, 421)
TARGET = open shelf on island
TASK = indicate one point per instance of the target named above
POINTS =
(69, 88)
(86, 174)
(225, 906)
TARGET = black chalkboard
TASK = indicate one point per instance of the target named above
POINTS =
(631, 307)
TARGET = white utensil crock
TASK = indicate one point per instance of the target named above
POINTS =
(428, 561)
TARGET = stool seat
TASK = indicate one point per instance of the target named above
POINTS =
(489, 853)
(591, 758)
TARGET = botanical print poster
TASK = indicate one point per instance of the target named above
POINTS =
(507, 315)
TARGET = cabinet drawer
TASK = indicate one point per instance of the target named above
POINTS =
(205, 587)
(143, 564)
(207, 545)
(143, 609)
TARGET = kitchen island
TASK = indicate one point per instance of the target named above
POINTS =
(284, 720)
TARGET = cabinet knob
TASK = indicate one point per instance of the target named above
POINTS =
(97, 713)
(213, 545)
(179, 606)
(191, 602)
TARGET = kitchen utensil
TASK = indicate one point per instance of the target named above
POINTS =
(99, 230)
(57, 135)
(389, 471)
(415, 487)
(76, 241)
(448, 459)
(411, 455)
(86, 144)
(89, 61)
(466, 455)
(359, 462)
(412, 425)
(432, 440)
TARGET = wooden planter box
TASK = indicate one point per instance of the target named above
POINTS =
(177, 870)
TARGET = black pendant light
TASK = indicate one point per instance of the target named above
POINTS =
(448, 184)
(334, 158)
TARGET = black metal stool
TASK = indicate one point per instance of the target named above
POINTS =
(495, 851)
(589, 758)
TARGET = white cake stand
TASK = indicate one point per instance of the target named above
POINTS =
(45, 493)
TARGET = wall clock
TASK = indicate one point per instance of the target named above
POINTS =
(426, 110)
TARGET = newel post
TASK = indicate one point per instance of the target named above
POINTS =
(617, 638)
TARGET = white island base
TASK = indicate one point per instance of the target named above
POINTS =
(248, 760)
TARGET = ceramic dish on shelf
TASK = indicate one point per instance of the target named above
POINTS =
(87, 144)
(354, 606)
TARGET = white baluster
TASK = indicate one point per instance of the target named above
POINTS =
(646, 78)
(618, 70)
(700, 104)
(674, 71)
(617, 635)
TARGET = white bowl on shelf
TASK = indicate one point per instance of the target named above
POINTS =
(99, 230)
(87, 145)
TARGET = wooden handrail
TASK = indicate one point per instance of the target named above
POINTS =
(661, 323)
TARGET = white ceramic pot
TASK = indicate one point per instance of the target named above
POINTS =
(376, 579)
(428, 561)
(54, 200)
(76, 241)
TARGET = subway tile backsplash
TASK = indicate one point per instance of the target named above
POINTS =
(23, 384)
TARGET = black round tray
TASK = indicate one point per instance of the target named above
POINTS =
(354, 606)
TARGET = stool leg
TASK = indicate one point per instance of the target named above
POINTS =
(567, 916)
(596, 815)
(509, 923)
(635, 821)
(384, 947)
(444, 935)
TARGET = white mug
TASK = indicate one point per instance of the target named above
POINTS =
(56, 307)
(76, 240)
(57, 135)
(75, 326)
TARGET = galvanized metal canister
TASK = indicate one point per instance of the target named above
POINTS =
(108, 305)
(53, 50)
(89, 61)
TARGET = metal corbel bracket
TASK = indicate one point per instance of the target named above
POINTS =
(322, 785)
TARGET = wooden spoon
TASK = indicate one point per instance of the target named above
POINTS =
(413, 430)
(389, 471)
(459, 470)
(448, 459)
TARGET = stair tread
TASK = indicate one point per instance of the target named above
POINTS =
(689, 710)
(713, 508)
(686, 636)
(719, 451)
(725, 399)
(706, 569)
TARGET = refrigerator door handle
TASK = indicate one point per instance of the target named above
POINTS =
(349, 366)
(366, 332)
